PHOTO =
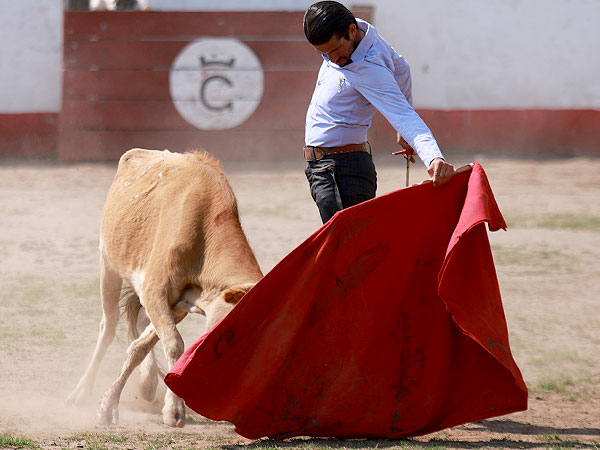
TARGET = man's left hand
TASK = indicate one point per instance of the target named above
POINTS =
(440, 171)
(402, 143)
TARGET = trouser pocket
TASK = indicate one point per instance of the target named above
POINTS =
(323, 187)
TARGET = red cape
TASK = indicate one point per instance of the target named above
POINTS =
(387, 322)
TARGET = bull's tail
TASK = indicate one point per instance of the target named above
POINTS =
(130, 308)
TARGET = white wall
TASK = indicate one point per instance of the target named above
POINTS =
(480, 54)
(494, 54)
(233, 5)
(464, 54)
(30, 55)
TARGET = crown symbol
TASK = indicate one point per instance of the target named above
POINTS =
(228, 63)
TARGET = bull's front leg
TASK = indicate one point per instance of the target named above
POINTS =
(174, 410)
(108, 409)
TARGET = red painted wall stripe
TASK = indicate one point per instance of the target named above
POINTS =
(543, 132)
(136, 25)
(28, 135)
(506, 131)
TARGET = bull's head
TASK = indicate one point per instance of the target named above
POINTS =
(212, 303)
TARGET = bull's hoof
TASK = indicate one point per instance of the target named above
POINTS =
(173, 421)
(108, 413)
(174, 414)
(78, 396)
(72, 399)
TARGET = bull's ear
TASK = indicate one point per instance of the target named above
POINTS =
(233, 295)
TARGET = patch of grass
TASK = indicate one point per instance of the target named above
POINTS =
(555, 356)
(555, 221)
(569, 222)
(26, 292)
(159, 441)
(192, 418)
(118, 439)
(36, 246)
(99, 441)
(533, 261)
(573, 444)
(6, 246)
(10, 441)
(9, 335)
(99, 436)
(560, 386)
(43, 312)
(32, 291)
(87, 290)
(48, 334)
(568, 445)
(551, 437)
(43, 300)
(16, 212)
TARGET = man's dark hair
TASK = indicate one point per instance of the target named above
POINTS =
(322, 20)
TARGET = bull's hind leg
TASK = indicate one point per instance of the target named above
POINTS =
(138, 350)
(108, 410)
(110, 290)
(149, 373)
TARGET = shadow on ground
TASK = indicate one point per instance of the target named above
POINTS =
(547, 437)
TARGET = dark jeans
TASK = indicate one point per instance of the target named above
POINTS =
(340, 181)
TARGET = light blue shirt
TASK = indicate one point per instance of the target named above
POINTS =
(345, 99)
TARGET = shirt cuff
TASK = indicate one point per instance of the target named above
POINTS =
(427, 149)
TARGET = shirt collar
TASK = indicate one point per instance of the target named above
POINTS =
(363, 46)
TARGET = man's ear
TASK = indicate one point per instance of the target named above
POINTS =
(352, 31)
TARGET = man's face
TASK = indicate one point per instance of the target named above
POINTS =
(339, 49)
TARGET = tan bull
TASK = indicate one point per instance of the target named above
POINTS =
(171, 230)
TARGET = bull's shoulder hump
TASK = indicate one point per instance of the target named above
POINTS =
(143, 157)
(139, 156)
(168, 170)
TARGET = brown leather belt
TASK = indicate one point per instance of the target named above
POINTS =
(321, 152)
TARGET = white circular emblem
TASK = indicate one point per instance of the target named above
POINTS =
(216, 84)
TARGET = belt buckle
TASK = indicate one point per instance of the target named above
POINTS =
(319, 153)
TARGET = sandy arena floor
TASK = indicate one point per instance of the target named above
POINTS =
(548, 265)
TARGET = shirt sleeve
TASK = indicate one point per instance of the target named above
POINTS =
(378, 86)
(403, 78)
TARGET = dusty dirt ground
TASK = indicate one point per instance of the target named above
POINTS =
(548, 265)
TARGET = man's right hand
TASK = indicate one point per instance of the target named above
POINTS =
(440, 171)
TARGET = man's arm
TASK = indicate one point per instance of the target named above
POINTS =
(379, 87)
(439, 170)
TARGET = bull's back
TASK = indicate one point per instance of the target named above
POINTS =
(158, 198)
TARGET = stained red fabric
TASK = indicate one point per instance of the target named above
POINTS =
(387, 322)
